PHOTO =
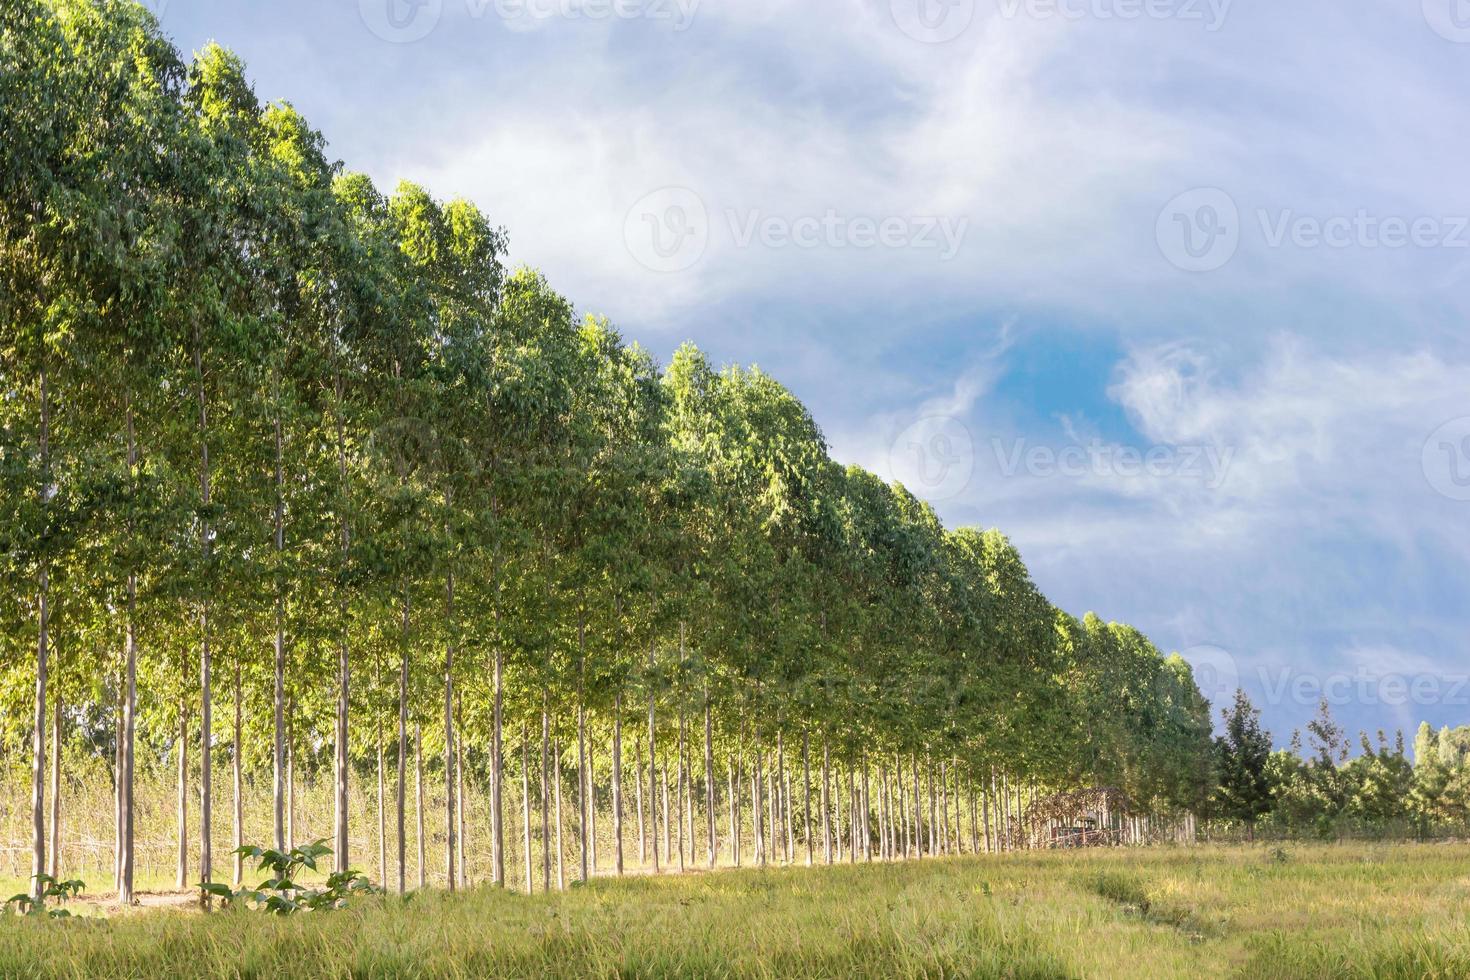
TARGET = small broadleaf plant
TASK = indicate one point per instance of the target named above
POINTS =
(51, 890)
(280, 894)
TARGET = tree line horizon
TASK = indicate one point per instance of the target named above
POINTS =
(271, 436)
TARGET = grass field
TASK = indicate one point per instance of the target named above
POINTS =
(1353, 910)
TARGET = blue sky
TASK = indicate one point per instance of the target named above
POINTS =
(1171, 291)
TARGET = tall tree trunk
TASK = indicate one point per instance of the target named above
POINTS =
(826, 802)
(290, 773)
(734, 795)
(130, 703)
(382, 812)
(116, 791)
(238, 872)
(638, 802)
(451, 744)
(985, 797)
(561, 875)
(652, 760)
(53, 854)
(545, 793)
(592, 808)
(402, 748)
(900, 806)
(584, 776)
(663, 774)
(853, 824)
(43, 652)
(943, 809)
(206, 730)
(526, 803)
(342, 766)
(418, 792)
(757, 803)
(617, 784)
(584, 837)
(182, 878)
(497, 775)
(459, 796)
(837, 808)
(918, 810)
(783, 792)
(806, 793)
(709, 776)
(883, 826)
(868, 814)
(772, 789)
(279, 756)
(680, 787)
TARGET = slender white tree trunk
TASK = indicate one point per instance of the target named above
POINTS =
(402, 750)
(238, 872)
(679, 790)
(460, 800)
(418, 792)
(545, 794)
(617, 785)
(652, 762)
(341, 762)
(206, 731)
(130, 703)
(451, 744)
(526, 804)
(709, 777)
(561, 875)
(278, 758)
(806, 793)
(182, 877)
(826, 802)
(53, 854)
(734, 794)
(497, 776)
(43, 653)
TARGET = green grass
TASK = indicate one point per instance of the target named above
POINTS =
(1307, 911)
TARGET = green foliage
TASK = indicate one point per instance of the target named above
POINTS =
(47, 890)
(1243, 755)
(283, 893)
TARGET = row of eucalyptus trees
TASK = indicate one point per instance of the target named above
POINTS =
(275, 440)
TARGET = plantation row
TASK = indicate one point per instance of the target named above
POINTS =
(298, 479)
